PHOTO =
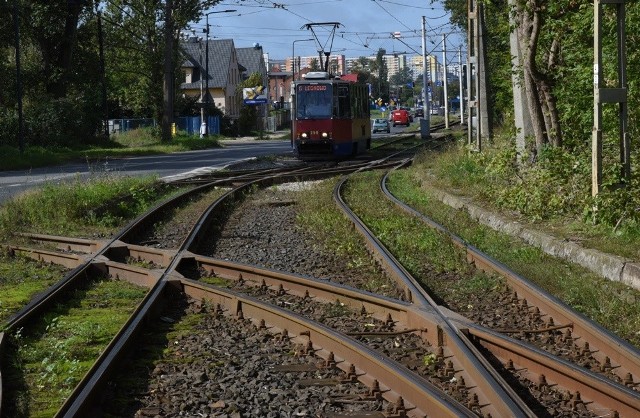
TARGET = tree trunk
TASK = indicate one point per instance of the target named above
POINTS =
(553, 128)
(62, 61)
(529, 29)
(168, 88)
(539, 87)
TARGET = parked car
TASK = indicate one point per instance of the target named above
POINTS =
(400, 117)
(381, 125)
(419, 113)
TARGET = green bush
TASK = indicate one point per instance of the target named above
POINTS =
(8, 127)
(60, 122)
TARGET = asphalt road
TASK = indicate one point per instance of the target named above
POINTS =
(181, 164)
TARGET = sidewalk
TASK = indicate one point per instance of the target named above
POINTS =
(267, 136)
(609, 266)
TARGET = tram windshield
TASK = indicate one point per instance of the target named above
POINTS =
(314, 101)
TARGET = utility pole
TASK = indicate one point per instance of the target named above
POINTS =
(485, 112)
(460, 83)
(201, 86)
(206, 89)
(206, 53)
(473, 131)
(16, 24)
(521, 111)
(105, 106)
(168, 88)
(444, 81)
(602, 95)
(425, 122)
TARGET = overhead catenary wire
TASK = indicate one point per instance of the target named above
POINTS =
(358, 42)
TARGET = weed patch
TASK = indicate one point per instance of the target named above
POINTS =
(94, 206)
(48, 360)
(20, 280)
(319, 215)
(604, 301)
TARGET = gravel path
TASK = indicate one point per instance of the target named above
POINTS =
(263, 231)
(226, 367)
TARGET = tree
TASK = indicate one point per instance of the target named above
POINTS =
(314, 65)
(144, 35)
(59, 72)
(53, 26)
(248, 119)
(402, 77)
(380, 67)
(538, 82)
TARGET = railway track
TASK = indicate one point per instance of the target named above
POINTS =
(411, 357)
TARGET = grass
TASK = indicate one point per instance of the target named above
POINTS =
(143, 141)
(20, 280)
(320, 216)
(602, 300)
(49, 359)
(80, 207)
(469, 174)
(431, 257)
(427, 254)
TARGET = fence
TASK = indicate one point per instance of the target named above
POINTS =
(117, 126)
(190, 124)
(278, 120)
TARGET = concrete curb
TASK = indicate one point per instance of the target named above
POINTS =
(609, 266)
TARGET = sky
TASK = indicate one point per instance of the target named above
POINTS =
(365, 26)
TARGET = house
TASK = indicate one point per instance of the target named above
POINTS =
(223, 76)
(252, 60)
(279, 85)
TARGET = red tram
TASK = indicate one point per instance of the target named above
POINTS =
(331, 117)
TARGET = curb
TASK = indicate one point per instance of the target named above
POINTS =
(609, 266)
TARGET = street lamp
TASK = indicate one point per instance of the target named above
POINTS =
(293, 55)
(206, 126)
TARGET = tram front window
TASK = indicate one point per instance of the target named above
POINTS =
(314, 101)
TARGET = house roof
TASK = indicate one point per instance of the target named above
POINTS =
(251, 59)
(220, 52)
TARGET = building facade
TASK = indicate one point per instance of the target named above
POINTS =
(223, 76)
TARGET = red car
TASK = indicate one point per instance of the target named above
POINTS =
(400, 117)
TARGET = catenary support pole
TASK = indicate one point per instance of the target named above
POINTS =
(445, 80)
(461, 84)
(602, 95)
(16, 24)
(425, 122)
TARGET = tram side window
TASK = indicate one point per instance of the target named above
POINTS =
(343, 105)
(359, 104)
(356, 101)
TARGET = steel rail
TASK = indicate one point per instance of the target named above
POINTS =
(78, 404)
(100, 248)
(489, 385)
(89, 386)
(603, 343)
(607, 395)
(42, 300)
(548, 370)
(395, 380)
(80, 401)
(89, 267)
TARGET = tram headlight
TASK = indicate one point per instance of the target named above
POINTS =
(325, 135)
(304, 135)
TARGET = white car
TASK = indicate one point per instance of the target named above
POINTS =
(380, 125)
